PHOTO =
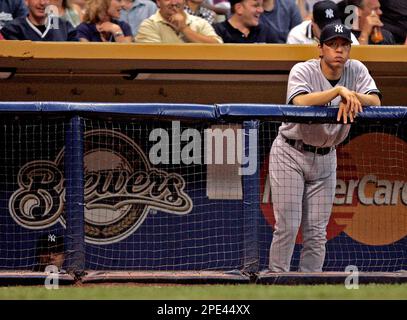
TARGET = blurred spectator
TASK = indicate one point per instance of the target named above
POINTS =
(308, 32)
(10, 10)
(39, 25)
(394, 18)
(220, 7)
(306, 7)
(195, 8)
(244, 25)
(1, 37)
(70, 12)
(81, 5)
(368, 17)
(171, 24)
(49, 251)
(282, 16)
(101, 24)
(135, 11)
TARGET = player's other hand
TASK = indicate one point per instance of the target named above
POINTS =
(343, 113)
(349, 106)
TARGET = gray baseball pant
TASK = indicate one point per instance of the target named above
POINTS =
(303, 189)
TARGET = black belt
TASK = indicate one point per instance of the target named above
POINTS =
(309, 148)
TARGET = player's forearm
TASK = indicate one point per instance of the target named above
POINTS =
(196, 37)
(368, 99)
(316, 98)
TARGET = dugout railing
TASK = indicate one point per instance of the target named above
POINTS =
(130, 189)
(174, 73)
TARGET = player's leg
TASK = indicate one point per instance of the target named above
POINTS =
(287, 186)
(319, 195)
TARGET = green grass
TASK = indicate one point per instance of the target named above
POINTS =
(202, 292)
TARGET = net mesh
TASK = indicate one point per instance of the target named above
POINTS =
(368, 223)
(31, 189)
(153, 203)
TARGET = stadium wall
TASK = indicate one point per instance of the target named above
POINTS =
(84, 170)
(174, 73)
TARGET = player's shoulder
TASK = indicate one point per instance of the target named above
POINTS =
(311, 65)
(353, 63)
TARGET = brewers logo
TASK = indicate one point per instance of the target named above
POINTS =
(120, 189)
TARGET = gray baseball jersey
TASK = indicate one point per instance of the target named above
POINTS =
(307, 77)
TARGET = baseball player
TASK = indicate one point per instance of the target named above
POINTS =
(303, 157)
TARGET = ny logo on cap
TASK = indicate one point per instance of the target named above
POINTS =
(51, 238)
(329, 13)
(338, 28)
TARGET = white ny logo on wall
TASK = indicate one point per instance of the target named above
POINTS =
(338, 28)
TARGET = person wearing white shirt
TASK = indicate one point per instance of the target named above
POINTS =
(308, 32)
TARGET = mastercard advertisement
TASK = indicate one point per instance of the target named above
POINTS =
(370, 203)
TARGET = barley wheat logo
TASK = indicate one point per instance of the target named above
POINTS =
(121, 188)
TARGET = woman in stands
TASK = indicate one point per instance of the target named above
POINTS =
(69, 11)
(101, 23)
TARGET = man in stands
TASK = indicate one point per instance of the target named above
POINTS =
(307, 6)
(324, 12)
(244, 25)
(196, 8)
(368, 17)
(135, 11)
(394, 18)
(39, 25)
(171, 24)
(282, 16)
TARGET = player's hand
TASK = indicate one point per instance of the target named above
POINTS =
(350, 98)
(349, 106)
(342, 112)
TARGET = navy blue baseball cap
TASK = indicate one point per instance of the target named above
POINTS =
(325, 12)
(335, 30)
